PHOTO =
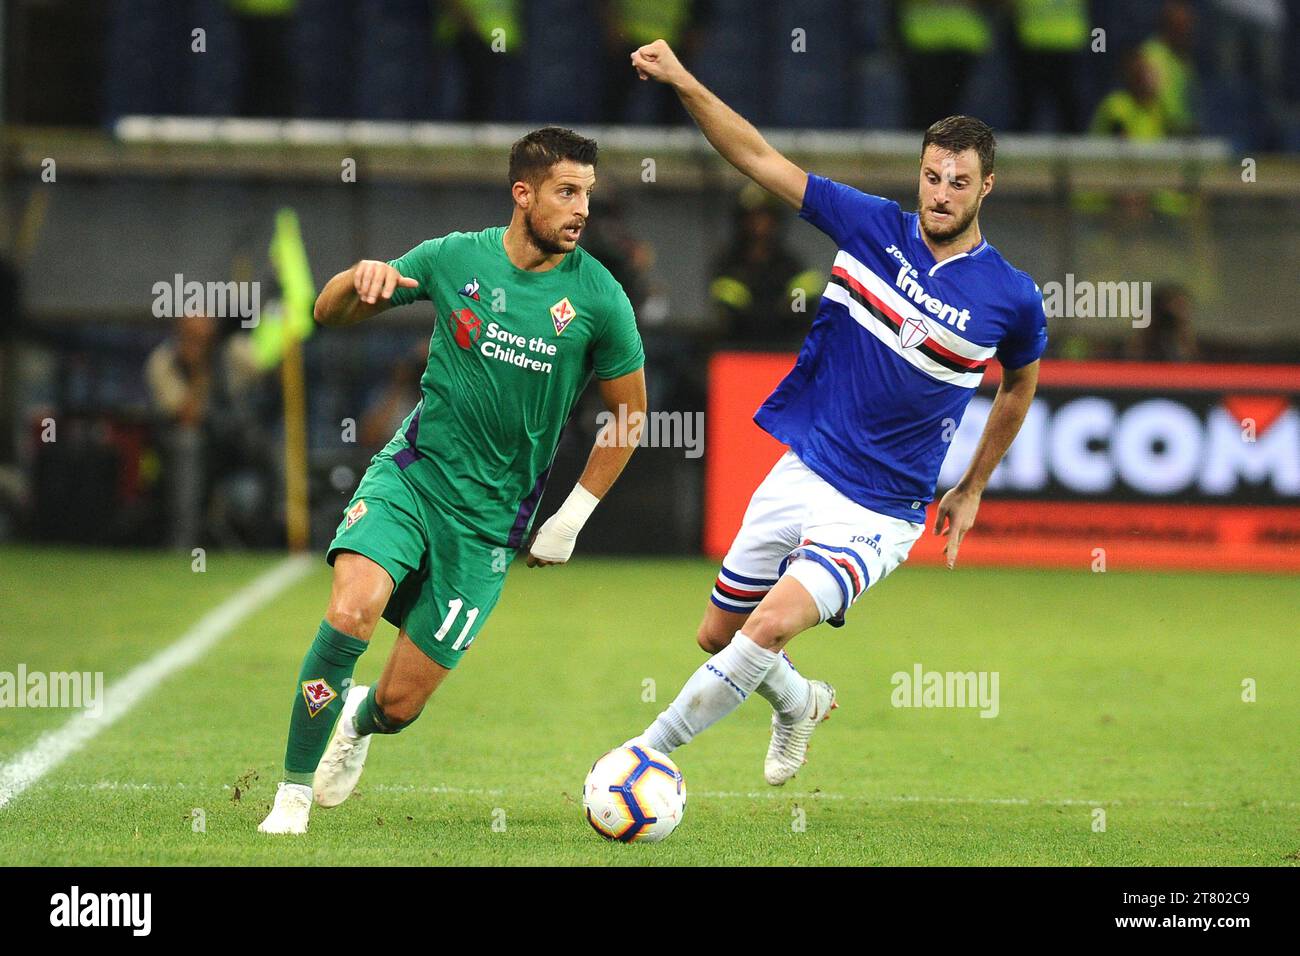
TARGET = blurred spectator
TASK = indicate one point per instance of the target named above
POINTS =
(756, 279)
(1137, 113)
(1291, 69)
(628, 258)
(485, 38)
(394, 399)
(942, 39)
(1171, 336)
(12, 485)
(1134, 112)
(1247, 44)
(11, 319)
(1048, 38)
(216, 452)
(1248, 41)
(1169, 52)
(628, 24)
(267, 75)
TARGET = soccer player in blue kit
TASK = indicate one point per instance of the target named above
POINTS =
(917, 306)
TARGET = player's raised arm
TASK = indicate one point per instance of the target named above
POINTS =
(734, 137)
(625, 398)
(360, 292)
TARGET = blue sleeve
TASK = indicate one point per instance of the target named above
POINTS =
(840, 211)
(1026, 340)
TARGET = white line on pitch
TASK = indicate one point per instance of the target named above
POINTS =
(759, 795)
(53, 747)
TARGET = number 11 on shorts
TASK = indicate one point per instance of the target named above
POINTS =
(453, 609)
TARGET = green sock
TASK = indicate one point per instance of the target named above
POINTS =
(370, 719)
(323, 682)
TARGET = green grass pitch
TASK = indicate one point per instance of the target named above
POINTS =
(1119, 692)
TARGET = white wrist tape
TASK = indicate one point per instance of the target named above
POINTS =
(555, 540)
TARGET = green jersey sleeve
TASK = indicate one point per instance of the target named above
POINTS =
(417, 264)
(617, 350)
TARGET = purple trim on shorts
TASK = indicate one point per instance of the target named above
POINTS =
(409, 454)
(526, 509)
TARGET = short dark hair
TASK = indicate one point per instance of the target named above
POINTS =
(532, 156)
(956, 134)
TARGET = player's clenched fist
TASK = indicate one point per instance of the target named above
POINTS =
(657, 61)
(553, 543)
(375, 280)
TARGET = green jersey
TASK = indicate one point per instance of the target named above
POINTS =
(510, 353)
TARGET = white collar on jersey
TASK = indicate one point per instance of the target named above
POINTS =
(916, 234)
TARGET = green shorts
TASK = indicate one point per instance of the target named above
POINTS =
(446, 578)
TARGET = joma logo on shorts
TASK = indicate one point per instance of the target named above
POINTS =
(872, 543)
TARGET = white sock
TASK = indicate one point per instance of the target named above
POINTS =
(718, 687)
(786, 689)
(347, 728)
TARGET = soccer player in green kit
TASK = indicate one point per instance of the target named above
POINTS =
(524, 318)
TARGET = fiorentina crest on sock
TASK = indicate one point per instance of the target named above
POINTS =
(317, 693)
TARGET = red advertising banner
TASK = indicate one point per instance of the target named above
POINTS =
(1158, 466)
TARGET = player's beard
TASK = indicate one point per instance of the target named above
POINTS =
(550, 243)
(954, 229)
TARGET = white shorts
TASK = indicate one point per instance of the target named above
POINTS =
(797, 524)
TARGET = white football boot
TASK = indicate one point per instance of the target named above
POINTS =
(788, 749)
(340, 768)
(289, 813)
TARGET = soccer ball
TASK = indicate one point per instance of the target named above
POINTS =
(634, 793)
